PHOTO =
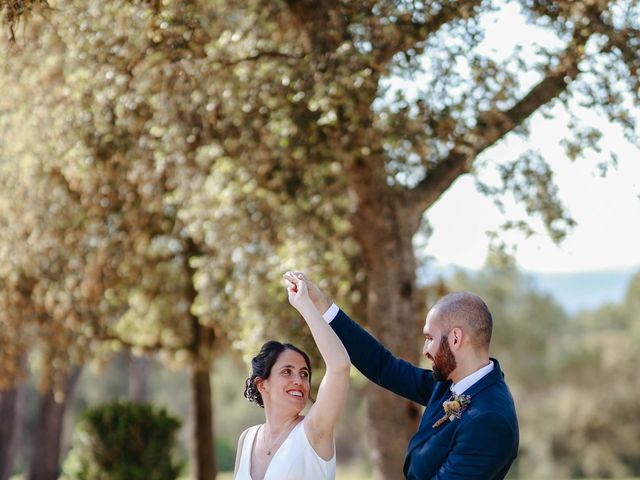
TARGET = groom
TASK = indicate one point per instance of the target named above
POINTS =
(469, 429)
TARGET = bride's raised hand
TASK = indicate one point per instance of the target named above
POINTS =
(296, 289)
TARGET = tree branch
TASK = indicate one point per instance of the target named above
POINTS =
(494, 125)
(620, 39)
(256, 57)
(451, 12)
(15, 10)
(327, 28)
(324, 23)
(411, 32)
(58, 177)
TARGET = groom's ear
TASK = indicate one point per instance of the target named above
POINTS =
(455, 337)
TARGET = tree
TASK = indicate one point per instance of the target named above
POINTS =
(11, 409)
(297, 98)
(48, 445)
(41, 303)
(71, 277)
(123, 150)
(325, 99)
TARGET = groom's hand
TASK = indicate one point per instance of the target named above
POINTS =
(319, 299)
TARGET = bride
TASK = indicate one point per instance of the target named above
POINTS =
(289, 446)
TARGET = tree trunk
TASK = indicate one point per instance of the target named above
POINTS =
(204, 461)
(45, 464)
(395, 315)
(11, 413)
(139, 379)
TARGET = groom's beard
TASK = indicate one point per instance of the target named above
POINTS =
(444, 362)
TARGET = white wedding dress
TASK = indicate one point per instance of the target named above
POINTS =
(294, 460)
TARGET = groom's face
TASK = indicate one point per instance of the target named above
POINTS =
(443, 362)
(436, 348)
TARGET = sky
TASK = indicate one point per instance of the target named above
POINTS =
(606, 209)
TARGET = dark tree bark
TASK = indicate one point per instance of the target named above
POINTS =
(45, 464)
(11, 413)
(205, 467)
(394, 314)
(205, 463)
(139, 369)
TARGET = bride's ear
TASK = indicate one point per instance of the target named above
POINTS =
(259, 382)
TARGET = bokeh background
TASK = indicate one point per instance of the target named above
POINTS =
(163, 162)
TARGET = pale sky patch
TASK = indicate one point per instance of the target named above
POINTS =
(606, 209)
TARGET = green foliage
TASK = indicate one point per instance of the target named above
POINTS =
(265, 139)
(172, 159)
(123, 441)
(596, 399)
(574, 379)
(225, 454)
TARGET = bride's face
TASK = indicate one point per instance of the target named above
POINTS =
(288, 382)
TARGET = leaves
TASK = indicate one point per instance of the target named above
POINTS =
(164, 162)
(16, 10)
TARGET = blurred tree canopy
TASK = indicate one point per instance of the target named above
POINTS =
(597, 402)
(115, 229)
(195, 150)
(15, 10)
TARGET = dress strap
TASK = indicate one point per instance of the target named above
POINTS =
(244, 469)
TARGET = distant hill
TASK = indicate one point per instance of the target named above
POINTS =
(574, 291)
(585, 290)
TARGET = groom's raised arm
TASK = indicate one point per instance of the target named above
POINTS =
(379, 365)
(369, 356)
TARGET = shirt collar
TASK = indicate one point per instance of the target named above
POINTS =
(464, 384)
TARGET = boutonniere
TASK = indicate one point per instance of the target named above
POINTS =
(453, 408)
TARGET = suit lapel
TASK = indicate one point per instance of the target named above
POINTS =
(433, 411)
(434, 408)
(442, 392)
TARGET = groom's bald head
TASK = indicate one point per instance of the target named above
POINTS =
(469, 312)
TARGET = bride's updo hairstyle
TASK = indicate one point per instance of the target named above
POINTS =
(261, 366)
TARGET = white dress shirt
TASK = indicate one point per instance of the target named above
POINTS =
(464, 384)
(331, 313)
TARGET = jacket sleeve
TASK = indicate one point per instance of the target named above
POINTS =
(379, 365)
(483, 450)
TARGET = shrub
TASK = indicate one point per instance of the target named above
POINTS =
(123, 441)
(225, 454)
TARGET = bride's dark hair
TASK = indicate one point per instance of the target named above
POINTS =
(262, 363)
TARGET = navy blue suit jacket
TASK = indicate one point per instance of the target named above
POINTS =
(481, 445)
